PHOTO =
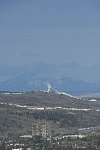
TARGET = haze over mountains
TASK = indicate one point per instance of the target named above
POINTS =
(72, 78)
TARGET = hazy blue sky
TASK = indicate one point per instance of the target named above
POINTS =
(53, 31)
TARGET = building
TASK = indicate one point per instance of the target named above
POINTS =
(42, 128)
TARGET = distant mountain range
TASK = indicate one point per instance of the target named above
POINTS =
(71, 78)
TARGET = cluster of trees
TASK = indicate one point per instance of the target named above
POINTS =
(38, 143)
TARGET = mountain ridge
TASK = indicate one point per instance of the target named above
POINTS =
(72, 78)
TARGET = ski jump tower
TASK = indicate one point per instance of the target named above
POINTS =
(49, 88)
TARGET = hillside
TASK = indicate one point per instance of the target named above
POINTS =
(43, 99)
(19, 110)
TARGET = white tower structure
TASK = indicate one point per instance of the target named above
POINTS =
(49, 88)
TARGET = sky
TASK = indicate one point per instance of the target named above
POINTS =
(49, 31)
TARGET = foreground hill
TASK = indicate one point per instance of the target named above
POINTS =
(68, 113)
(44, 99)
